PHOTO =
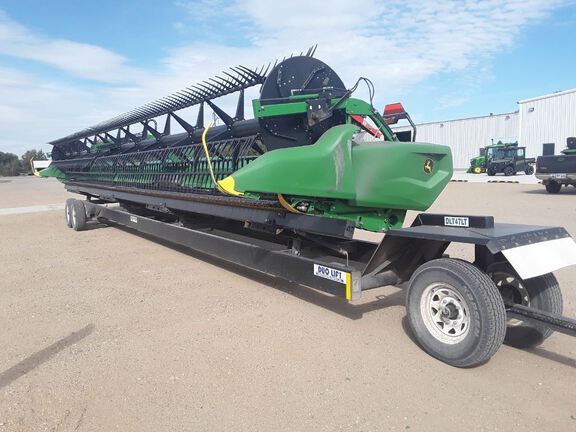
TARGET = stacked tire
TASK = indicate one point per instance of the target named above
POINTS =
(75, 213)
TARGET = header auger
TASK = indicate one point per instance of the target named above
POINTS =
(289, 191)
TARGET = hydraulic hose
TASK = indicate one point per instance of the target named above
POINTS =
(209, 161)
(281, 199)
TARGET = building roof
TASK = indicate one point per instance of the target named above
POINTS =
(460, 119)
(549, 95)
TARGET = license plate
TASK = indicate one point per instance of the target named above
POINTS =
(558, 176)
(456, 221)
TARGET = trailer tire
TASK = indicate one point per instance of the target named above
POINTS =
(68, 211)
(553, 187)
(455, 312)
(509, 171)
(529, 170)
(541, 292)
(78, 215)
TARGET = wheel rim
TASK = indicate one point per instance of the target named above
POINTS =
(73, 216)
(68, 215)
(445, 313)
(513, 291)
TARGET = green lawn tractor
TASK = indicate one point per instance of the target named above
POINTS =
(477, 165)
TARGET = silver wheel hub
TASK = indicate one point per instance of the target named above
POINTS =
(513, 291)
(445, 313)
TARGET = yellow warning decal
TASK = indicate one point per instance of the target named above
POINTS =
(348, 286)
(335, 275)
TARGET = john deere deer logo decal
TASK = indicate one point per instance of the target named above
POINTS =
(428, 166)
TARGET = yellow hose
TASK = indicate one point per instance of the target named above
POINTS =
(281, 199)
(287, 205)
(217, 183)
(208, 156)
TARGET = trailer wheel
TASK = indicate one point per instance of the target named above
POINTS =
(541, 292)
(455, 312)
(529, 170)
(68, 211)
(553, 187)
(78, 215)
(509, 171)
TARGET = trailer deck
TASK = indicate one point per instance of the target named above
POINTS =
(319, 266)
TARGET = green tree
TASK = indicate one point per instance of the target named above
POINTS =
(28, 156)
(9, 164)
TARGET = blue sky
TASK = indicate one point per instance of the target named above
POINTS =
(65, 65)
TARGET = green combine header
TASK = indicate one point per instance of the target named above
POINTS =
(304, 151)
(292, 190)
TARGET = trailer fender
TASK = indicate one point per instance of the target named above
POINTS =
(543, 257)
(531, 250)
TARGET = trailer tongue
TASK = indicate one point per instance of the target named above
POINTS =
(285, 193)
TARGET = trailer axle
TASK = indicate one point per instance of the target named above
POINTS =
(556, 322)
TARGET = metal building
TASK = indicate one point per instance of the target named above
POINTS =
(466, 136)
(546, 121)
(541, 124)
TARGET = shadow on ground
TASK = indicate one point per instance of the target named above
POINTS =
(542, 191)
(32, 362)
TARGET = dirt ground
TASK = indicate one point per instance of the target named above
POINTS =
(104, 330)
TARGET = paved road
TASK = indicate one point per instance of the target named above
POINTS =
(103, 330)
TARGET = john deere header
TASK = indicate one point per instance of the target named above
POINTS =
(310, 148)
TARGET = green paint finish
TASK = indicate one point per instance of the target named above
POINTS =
(274, 110)
(52, 171)
(349, 105)
(371, 175)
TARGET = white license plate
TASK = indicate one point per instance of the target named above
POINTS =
(456, 221)
(558, 176)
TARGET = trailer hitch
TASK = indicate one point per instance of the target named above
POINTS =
(556, 322)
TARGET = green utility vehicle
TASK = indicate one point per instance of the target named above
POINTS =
(478, 164)
(508, 159)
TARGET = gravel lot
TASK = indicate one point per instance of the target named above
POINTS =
(104, 330)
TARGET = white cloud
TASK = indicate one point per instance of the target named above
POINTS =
(397, 44)
(78, 59)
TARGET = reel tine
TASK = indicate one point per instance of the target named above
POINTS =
(248, 71)
(236, 79)
(232, 77)
(209, 87)
(192, 93)
(241, 74)
(202, 91)
(218, 84)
